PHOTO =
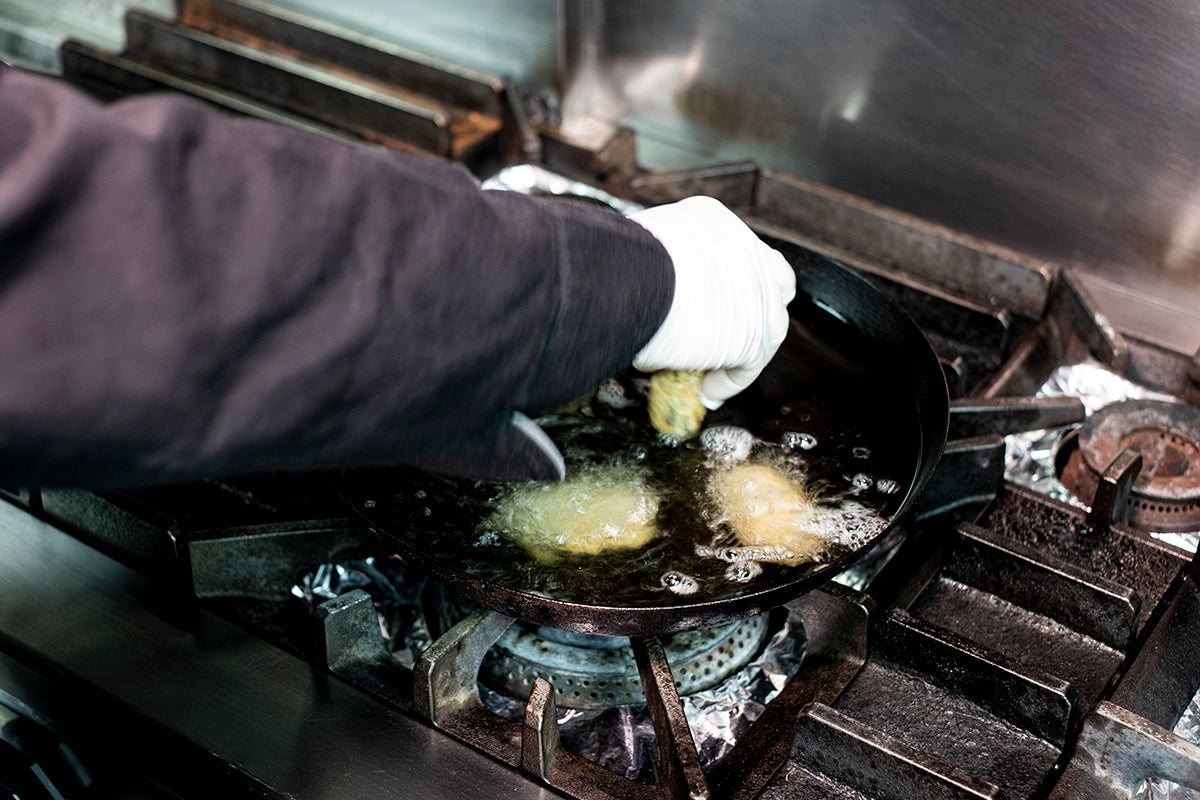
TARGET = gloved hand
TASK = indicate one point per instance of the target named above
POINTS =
(729, 312)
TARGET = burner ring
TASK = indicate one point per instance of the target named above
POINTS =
(1166, 493)
(592, 672)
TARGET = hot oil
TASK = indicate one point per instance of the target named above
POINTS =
(824, 414)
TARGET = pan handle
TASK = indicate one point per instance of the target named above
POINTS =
(1001, 416)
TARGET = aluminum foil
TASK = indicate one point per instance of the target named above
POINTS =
(399, 595)
(1159, 789)
(1029, 457)
(530, 179)
(622, 739)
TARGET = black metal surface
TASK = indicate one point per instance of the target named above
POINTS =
(625, 599)
(834, 621)
(1126, 557)
(943, 695)
(970, 473)
(836, 756)
(1004, 415)
(291, 85)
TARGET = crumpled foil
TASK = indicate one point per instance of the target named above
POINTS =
(400, 598)
(1160, 789)
(1029, 457)
(531, 179)
(622, 738)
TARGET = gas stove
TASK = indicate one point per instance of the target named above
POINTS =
(1030, 631)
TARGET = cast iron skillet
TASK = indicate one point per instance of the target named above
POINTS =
(854, 375)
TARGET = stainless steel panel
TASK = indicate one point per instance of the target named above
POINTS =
(514, 38)
(32, 30)
(1064, 130)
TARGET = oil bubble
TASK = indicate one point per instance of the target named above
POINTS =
(804, 441)
(743, 571)
(860, 483)
(727, 442)
(611, 393)
(679, 583)
(861, 452)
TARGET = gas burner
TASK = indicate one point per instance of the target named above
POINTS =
(1165, 497)
(592, 672)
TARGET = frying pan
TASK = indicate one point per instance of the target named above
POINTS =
(855, 382)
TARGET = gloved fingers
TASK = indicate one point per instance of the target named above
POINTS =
(721, 384)
(783, 274)
(729, 312)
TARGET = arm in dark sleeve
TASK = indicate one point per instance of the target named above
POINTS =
(187, 294)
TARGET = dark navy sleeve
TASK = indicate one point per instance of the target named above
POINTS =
(185, 294)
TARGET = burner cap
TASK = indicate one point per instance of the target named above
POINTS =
(1166, 493)
(598, 671)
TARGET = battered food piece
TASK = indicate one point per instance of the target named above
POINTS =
(600, 510)
(674, 403)
(768, 512)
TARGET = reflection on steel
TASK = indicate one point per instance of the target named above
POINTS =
(1072, 330)
(679, 772)
(1118, 751)
(732, 184)
(1066, 137)
(1104, 341)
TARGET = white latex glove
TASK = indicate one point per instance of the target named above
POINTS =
(729, 312)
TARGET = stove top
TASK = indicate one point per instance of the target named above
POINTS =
(1030, 631)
